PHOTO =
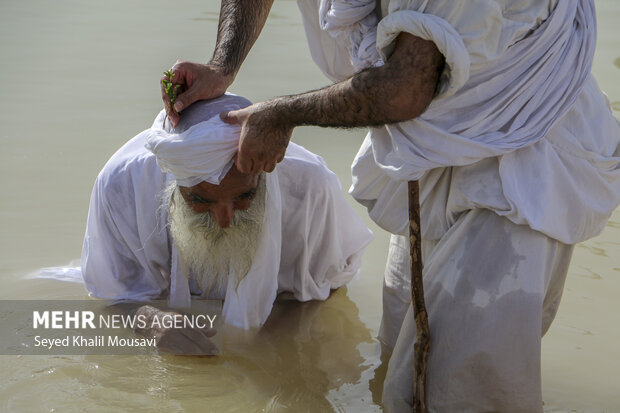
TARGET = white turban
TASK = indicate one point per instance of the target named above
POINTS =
(202, 146)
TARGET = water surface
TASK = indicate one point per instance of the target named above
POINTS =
(80, 78)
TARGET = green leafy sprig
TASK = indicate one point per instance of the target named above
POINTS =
(171, 90)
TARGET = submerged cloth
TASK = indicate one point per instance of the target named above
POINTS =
(487, 311)
(516, 88)
(311, 242)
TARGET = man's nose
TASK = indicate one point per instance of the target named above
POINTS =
(223, 215)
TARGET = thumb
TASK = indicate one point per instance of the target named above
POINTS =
(230, 117)
(185, 99)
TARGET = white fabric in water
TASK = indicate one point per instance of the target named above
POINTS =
(487, 315)
(312, 240)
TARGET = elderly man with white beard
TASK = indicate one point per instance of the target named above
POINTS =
(172, 217)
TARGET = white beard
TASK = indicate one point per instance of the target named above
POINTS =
(210, 253)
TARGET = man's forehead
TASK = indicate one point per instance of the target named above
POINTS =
(222, 191)
(234, 184)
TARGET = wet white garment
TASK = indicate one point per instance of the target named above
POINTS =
(311, 242)
(517, 88)
(487, 311)
(518, 157)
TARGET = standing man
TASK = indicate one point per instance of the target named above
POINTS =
(492, 107)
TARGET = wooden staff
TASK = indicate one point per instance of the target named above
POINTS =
(423, 335)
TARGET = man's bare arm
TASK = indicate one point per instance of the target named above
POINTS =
(397, 91)
(241, 21)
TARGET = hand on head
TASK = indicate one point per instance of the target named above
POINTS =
(263, 138)
(199, 81)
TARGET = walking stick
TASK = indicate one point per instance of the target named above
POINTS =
(423, 336)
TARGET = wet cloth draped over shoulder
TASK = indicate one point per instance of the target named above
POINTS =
(128, 252)
(515, 89)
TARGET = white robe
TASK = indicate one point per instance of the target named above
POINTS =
(312, 240)
(492, 289)
(516, 88)
(518, 157)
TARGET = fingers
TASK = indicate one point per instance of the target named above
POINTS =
(270, 167)
(245, 164)
(198, 81)
(261, 145)
(209, 332)
(174, 118)
(185, 99)
(196, 342)
(187, 341)
(254, 166)
(173, 115)
(252, 162)
(181, 72)
(181, 78)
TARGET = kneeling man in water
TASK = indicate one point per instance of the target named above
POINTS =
(171, 217)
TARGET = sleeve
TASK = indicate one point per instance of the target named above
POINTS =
(323, 238)
(122, 258)
(435, 29)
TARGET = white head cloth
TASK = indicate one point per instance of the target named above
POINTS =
(203, 151)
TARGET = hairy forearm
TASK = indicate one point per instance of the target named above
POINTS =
(400, 90)
(241, 21)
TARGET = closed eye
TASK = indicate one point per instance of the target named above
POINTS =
(197, 199)
(248, 195)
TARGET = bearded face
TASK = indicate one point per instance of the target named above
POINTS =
(214, 254)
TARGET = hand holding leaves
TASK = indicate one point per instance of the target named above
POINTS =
(171, 89)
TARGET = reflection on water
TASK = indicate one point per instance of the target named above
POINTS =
(80, 78)
(304, 352)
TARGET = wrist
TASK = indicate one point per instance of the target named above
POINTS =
(227, 71)
(282, 112)
(219, 76)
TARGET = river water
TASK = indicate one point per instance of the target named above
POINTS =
(79, 78)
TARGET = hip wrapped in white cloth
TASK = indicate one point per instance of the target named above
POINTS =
(517, 89)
